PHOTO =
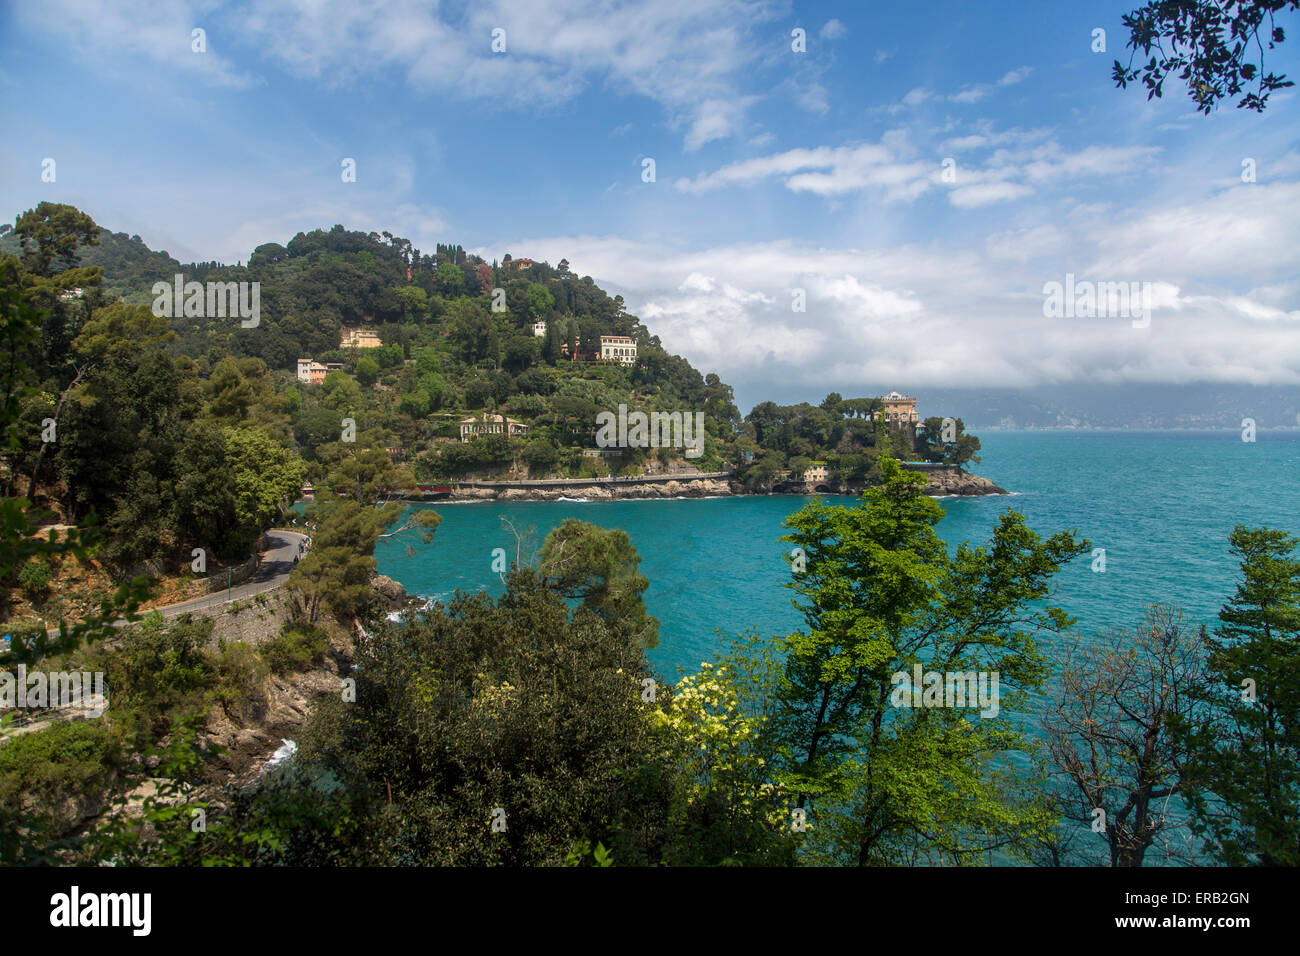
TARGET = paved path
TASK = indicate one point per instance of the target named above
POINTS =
(277, 562)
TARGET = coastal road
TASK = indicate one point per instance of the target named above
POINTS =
(273, 571)
(277, 562)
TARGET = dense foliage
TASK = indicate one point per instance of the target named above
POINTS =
(458, 339)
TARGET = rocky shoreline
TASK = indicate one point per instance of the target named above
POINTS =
(940, 484)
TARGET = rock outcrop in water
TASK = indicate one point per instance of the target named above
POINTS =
(683, 488)
(958, 482)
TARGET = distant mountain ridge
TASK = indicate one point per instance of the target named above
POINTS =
(1120, 407)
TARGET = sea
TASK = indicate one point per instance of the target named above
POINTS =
(1160, 504)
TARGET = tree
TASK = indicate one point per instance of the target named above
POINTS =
(478, 392)
(1110, 732)
(340, 392)
(552, 342)
(726, 808)
(881, 597)
(367, 371)
(521, 351)
(317, 426)
(471, 330)
(516, 713)
(538, 300)
(335, 573)
(415, 304)
(415, 403)
(230, 394)
(120, 334)
(1245, 764)
(265, 477)
(268, 254)
(541, 455)
(54, 231)
(598, 566)
(451, 281)
(19, 542)
(1210, 42)
(932, 446)
(205, 495)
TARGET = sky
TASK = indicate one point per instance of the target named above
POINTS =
(884, 208)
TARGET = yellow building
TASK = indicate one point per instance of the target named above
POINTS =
(360, 339)
(899, 409)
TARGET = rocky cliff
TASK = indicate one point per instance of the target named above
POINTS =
(958, 482)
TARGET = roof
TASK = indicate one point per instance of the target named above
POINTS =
(488, 419)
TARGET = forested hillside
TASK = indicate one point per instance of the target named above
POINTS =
(183, 428)
(460, 337)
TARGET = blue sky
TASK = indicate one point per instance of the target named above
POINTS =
(776, 171)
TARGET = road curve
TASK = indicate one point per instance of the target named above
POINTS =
(273, 571)
(277, 562)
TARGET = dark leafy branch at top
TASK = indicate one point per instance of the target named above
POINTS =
(1215, 46)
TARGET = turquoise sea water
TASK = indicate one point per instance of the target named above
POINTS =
(1160, 503)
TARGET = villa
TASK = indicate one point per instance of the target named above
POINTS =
(618, 348)
(489, 424)
(313, 373)
(360, 339)
(900, 409)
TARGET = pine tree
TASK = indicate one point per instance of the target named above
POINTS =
(1246, 759)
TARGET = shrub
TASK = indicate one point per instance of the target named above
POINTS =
(239, 674)
(48, 780)
(35, 578)
(298, 647)
(160, 671)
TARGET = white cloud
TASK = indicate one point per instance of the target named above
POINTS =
(688, 57)
(715, 119)
(917, 96)
(985, 194)
(813, 99)
(826, 171)
(833, 30)
(1226, 301)
(959, 143)
(1243, 231)
(1022, 245)
(1009, 174)
(973, 93)
(115, 34)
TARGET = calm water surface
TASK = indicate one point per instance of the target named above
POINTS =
(1160, 503)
